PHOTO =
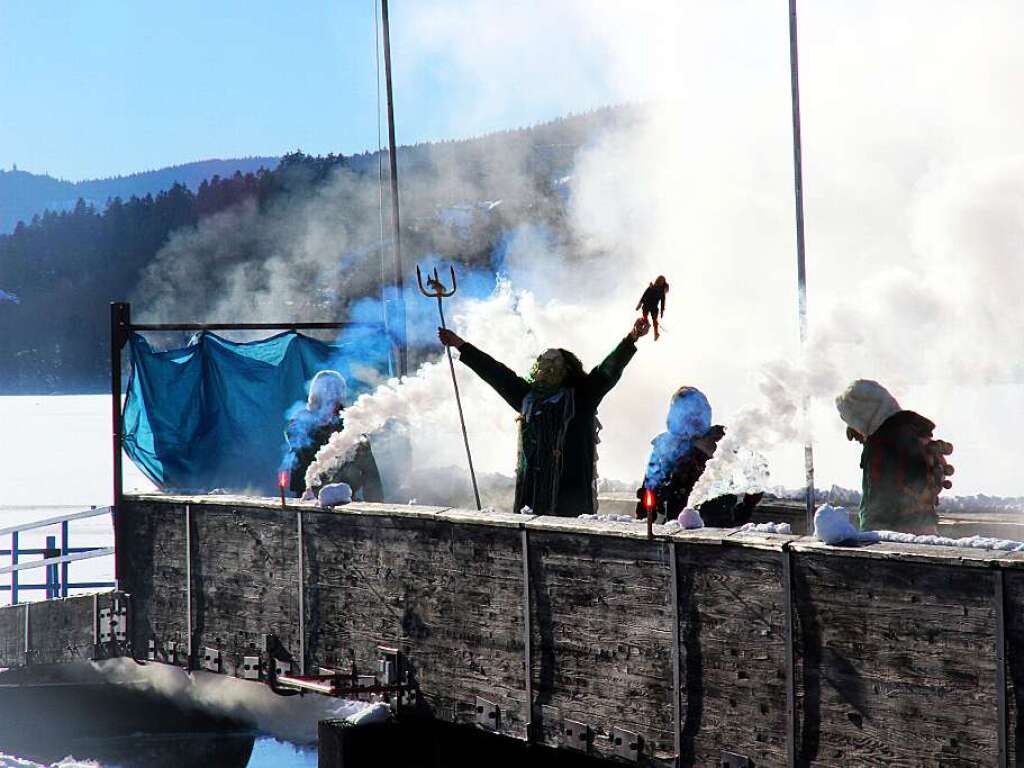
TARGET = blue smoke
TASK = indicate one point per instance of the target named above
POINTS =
(689, 417)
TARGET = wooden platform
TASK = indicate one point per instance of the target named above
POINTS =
(773, 648)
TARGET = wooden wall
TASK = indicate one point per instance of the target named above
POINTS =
(775, 648)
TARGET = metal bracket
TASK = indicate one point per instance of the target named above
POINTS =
(211, 660)
(575, 735)
(251, 668)
(114, 623)
(105, 632)
(625, 744)
(388, 665)
(486, 714)
(733, 760)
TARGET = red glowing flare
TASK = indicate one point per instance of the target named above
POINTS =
(282, 479)
(648, 499)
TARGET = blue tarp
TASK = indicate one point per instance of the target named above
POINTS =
(212, 414)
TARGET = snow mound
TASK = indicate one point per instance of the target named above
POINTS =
(767, 528)
(690, 519)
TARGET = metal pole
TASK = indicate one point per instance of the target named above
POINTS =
(120, 319)
(458, 402)
(801, 266)
(51, 570)
(63, 553)
(403, 356)
(14, 574)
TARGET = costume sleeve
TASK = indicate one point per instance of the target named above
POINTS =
(605, 376)
(500, 377)
(664, 296)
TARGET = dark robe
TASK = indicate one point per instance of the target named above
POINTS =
(675, 466)
(898, 485)
(360, 471)
(555, 472)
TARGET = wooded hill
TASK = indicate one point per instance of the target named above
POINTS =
(59, 271)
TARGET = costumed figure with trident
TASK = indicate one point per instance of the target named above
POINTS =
(557, 406)
(435, 289)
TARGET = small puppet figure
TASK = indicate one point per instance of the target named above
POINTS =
(650, 301)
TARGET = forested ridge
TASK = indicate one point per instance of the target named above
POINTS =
(59, 271)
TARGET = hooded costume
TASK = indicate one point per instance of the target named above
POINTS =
(310, 429)
(902, 467)
(555, 473)
(678, 456)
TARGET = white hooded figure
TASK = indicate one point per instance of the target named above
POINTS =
(904, 469)
(865, 405)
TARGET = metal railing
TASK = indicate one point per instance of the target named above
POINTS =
(56, 558)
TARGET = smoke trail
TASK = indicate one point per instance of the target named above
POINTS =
(290, 718)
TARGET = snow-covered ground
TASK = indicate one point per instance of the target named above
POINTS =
(55, 460)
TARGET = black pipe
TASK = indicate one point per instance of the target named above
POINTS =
(120, 320)
(246, 326)
(403, 357)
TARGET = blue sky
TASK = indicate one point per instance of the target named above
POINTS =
(100, 88)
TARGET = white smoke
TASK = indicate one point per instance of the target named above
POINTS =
(287, 718)
(914, 205)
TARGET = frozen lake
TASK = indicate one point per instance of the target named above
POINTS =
(55, 459)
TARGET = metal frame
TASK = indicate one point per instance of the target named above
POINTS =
(121, 328)
(56, 559)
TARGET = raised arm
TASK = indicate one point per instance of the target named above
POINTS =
(501, 378)
(606, 375)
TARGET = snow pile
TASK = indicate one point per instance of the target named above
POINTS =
(375, 713)
(672, 526)
(526, 510)
(609, 518)
(335, 495)
(690, 519)
(10, 761)
(971, 542)
(832, 525)
(767, 528)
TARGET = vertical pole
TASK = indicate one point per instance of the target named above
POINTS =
(801, 266)
(1002, 758)
(458, 403)
(63, 553)
(403, 356)
(302, 597)
(188, 586)
(677, 705)
(120, 318)
(51, 570)
(14, 574)
(527, 633)
(787, 607)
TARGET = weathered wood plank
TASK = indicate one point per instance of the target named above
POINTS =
(602, 636)
(895, 663)
(732, 654)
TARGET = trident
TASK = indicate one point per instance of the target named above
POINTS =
(439, 292)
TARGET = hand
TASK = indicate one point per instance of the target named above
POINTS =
(449, 338)
(640, 328)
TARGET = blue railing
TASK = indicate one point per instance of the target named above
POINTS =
(56, 558)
